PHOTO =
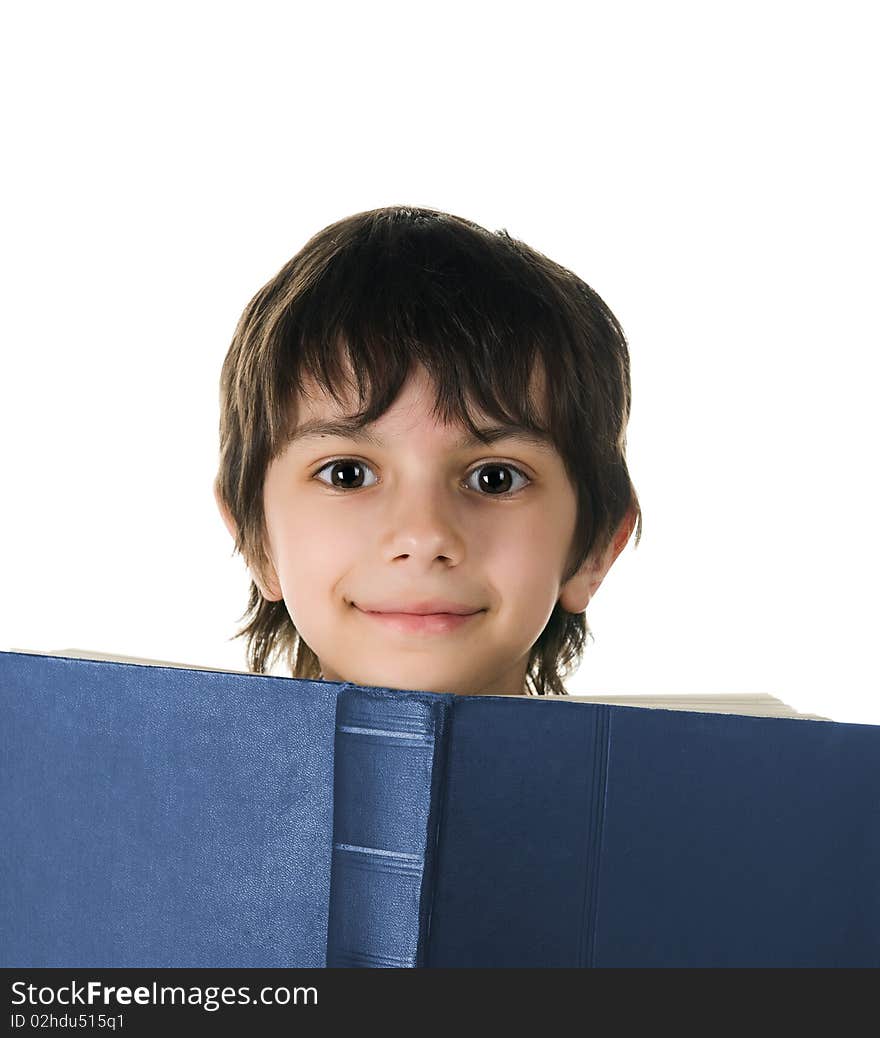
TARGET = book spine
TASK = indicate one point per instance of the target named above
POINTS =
(390, 752)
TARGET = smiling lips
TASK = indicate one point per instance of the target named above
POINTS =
(437, 616)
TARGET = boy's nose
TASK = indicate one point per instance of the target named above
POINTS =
(420, 532)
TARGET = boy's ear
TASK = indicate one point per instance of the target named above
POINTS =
(269, 586)
(577, 591)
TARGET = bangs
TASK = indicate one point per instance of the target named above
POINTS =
(490, 328)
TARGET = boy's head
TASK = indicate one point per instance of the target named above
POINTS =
(420, 416)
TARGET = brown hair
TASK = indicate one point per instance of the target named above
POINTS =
(399, 286)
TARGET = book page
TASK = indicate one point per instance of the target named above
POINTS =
(748, 704)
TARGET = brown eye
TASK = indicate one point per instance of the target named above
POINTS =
(346, 474)
(495, 479)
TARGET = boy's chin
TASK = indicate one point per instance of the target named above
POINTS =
(406, 681)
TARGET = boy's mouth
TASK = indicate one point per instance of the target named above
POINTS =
(430, 607)
(433, 617)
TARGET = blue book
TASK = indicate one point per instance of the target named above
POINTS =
(157, 816)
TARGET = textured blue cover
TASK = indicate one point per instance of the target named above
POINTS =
(154, 816)
(575, 834)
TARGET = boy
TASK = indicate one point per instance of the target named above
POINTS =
(423, 432)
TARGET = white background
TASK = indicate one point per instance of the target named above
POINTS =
(710, 169)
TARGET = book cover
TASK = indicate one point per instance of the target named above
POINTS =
(166, 816)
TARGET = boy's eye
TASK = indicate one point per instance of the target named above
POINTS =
(346, 474)
(494, 478)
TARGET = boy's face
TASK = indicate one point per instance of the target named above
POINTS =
(363, 535)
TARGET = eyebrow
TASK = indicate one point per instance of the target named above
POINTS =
(350, 429)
